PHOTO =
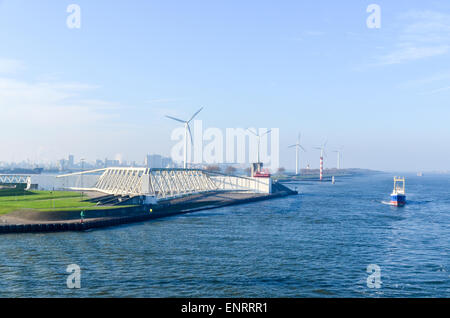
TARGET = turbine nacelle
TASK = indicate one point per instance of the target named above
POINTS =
(297, 146)
(187, 132)
(259, 137)
(322, 149)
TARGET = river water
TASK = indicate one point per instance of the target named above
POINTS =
(317, 244)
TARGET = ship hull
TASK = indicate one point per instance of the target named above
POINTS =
(398, 199)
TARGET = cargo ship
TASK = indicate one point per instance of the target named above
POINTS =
(398, 196)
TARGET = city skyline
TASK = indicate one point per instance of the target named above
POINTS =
(102, 91)
(78, 163)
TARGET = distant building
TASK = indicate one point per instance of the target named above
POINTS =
(71, 161)
(157, 161)
(153, 161)
(111, 163)
(62, 164)
(167, 163)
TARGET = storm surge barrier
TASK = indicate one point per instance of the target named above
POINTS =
(169, 183)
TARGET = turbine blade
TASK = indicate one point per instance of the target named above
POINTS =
(190, 134)
(302, 148)
(193, 116)
(292, 146)
(176, 119)
(267, 132)
(253, 132)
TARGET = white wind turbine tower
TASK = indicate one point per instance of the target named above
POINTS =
(259, 138)
(339, 156)
(187, 131)
(297, 146)
(322, 153)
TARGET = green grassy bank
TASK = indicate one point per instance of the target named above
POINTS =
(18, 199)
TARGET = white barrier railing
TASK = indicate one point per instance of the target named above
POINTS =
(229, 183)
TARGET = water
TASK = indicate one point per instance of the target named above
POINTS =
(317, 244)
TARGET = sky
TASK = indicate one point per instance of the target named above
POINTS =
(315, 67)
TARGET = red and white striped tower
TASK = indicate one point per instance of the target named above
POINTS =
(322, 153)
(321, 168)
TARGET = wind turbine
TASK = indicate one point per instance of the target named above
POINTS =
(339, 155)
(297, 146)
(187, 131)
(259, 138)
(322, 153)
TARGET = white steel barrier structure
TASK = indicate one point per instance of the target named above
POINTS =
(162, 183)
(14, 178)
(170, 183)
(122, 181)
(166, 183)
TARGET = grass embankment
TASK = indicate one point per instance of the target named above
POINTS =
(18, 199)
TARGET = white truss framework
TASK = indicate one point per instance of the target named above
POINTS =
(161, 183)
(14, 178)
(165, 183)
(122, 181)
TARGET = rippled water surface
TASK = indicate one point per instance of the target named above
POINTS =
(317, 244)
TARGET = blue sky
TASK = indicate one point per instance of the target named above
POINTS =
(310, 66)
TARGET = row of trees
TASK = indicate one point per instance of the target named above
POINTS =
(215, 168)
